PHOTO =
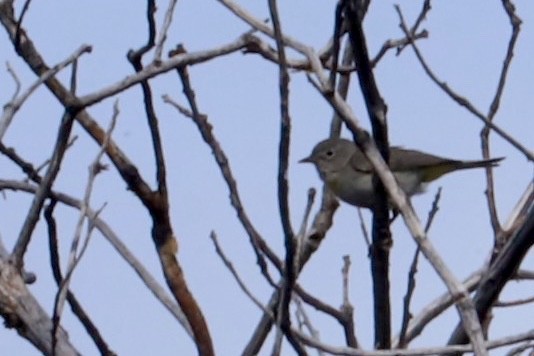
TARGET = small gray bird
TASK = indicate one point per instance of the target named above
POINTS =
(348, 173)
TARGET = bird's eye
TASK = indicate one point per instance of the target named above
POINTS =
(329, 153)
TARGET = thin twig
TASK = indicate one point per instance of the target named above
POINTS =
(422, 16)
(518, 351)
(524, 275)
(74, 256)
(345, 277)
(500, 272)
(336, 40)
(342, 88)
(135, 55)
(435, 308)
(524, 203)
(406, 314)
(157, 205)
(153, 70)
(135, 58)
(164, 30)
(265, 324)
(11, 108)
(75, 305)
(290, 274)
(347, 309)
(301, 235)
(347, 351)
(44, 189)
(23, 12)
(363, 228)
(267, 52)
(258, 244)
(228, 264)
(458, 98)
(398, 43)
(514, 303)
(151, 283)
(304, 321)
(515, 23)
(16, 79)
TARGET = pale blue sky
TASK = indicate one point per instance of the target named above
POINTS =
(239, 93)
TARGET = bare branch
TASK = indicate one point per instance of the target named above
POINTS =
(74, 256)
(422, 16)
(23, 12)
(514, 303)
(163, 31)
(515, 22)
(406, 314)
(154, 69)
(499, 273)
(20, 310)
(347, 351)
(339, 25)
(301, 236)
(494, 106)
(75, 305)
(363, 228)
(518, 351)
(228, 264)
(381, 234)
(436, 307)
(518, 214)
(258, 244)
(346, 307)
(461, 100)
(28, 277)
(11, 108)
(155, 202)
(304, 321)
(331, 79)
(134, 56)
(43, 191)
(11, 71)
(399, 44)
(151, 283)
(290, 270)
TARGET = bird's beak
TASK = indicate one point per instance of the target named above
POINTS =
(306, 160)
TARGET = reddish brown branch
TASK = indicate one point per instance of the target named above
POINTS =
(155, 202)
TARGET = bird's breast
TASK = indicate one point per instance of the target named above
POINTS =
(353, 187)
(356, 188)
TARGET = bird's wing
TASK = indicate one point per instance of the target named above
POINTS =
(430, 167)
(359, 162)
(401, 159)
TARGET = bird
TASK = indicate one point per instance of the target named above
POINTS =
(349, 174)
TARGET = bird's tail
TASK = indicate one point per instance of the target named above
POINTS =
(434, 172)
(492, 162)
